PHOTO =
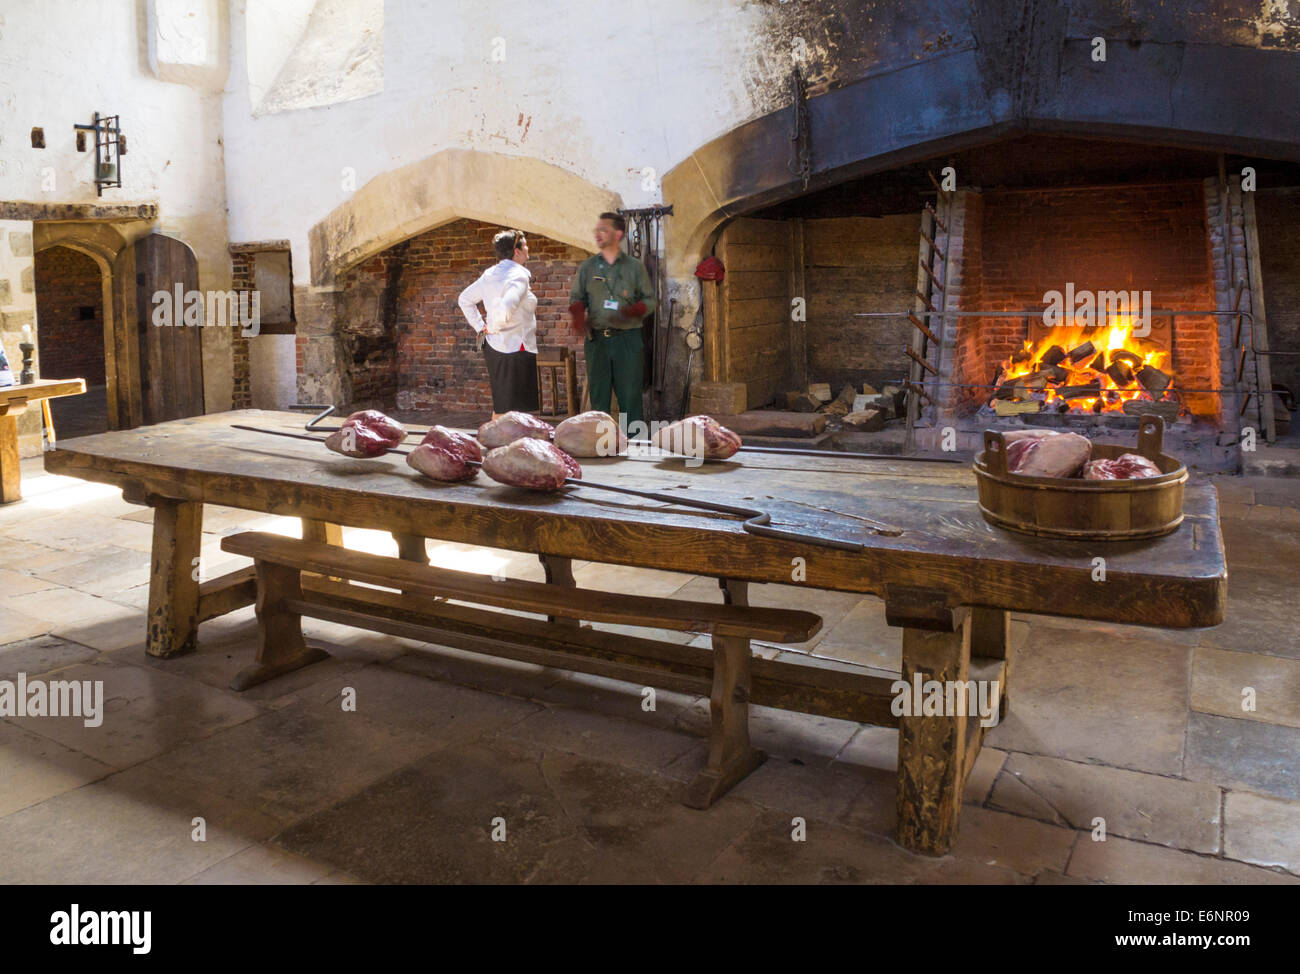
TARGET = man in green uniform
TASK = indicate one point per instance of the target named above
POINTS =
(610, 296)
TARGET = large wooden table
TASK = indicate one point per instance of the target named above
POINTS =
(13, 403)
(948, 580)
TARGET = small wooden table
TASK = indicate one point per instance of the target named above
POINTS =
(949, 580)
(13, 403)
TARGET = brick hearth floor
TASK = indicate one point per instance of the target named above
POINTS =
(1142, 728)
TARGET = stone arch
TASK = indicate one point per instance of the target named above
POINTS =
(104, 245)
(450, 185)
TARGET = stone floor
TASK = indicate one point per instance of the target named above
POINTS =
(1141, 728)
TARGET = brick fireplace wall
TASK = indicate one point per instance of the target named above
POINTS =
(241, 279)
(70, 346)
(402, 337)
(1134, 237)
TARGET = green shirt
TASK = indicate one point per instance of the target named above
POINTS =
(625, 281)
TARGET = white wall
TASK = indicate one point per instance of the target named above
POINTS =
(63, 60)
(572, 90)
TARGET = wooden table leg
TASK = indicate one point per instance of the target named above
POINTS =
(412, 547)
(326, 532)
(280, 646)
(990, 637)
(173, 585)
(10, 472)
(323, 531)
(731, 756)
(559, 571)
(932, 750)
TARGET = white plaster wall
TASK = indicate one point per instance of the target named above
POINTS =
(272, 371)
(571, 90)
(63, 60)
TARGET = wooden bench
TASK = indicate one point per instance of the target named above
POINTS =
(311, 578)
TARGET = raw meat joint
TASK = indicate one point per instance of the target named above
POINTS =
(1128, 466)
(357, 441)
(446, 455)
(1059, 455)
(368, 433)
(698, 436)
(385, 427)
(531, 463)
(590, 434)
(513, 426)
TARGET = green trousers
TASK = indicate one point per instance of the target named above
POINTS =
(616, 362)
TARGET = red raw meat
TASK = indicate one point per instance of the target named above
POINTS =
(1048, 456)
(590, 434)
(445, 454)
(513, 426)
(698, 436)
(1100, 470)
(1129, 466)
(1136, 466)
(385, 427)
(357, 441)
(530, 463)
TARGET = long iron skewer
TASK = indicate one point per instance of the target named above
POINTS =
(756, 521)
(793, 451)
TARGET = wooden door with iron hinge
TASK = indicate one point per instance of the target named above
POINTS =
(171, 355)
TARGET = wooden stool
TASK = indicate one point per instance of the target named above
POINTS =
(549, 362)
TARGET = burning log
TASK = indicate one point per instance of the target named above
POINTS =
(1080, 392)
(1168, 411)
(1123, 355)
(1056, 375)
(1021, 355)
(1153, 380)
(1053, 356)
(1077, 355)
(1099, 363)
(1004, 407)
(1121, 373)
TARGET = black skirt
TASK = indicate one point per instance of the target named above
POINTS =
(513, 376)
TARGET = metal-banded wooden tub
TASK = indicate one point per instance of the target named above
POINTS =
(1062, 507)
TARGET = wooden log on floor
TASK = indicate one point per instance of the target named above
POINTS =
(773, 422)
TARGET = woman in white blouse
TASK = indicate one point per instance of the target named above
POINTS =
(510, 327)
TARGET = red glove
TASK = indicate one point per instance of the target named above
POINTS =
(637, 310)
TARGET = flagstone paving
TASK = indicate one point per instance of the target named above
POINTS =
(1130, 755)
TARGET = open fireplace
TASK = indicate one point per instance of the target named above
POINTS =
(1047, 280)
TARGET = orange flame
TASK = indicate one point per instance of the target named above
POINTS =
(1113, 337)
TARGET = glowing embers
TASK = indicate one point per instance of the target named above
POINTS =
(1086, 369)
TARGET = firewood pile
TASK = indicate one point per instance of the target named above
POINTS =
(864, 410)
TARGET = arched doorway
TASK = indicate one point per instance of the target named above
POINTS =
(70, 303)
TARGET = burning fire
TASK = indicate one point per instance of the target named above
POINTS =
(1088, 369)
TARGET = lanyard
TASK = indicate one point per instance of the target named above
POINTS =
(611, 282)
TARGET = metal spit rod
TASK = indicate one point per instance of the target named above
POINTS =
(756, 521)
(790, 451)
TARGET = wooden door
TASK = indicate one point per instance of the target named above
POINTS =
(171, 351)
